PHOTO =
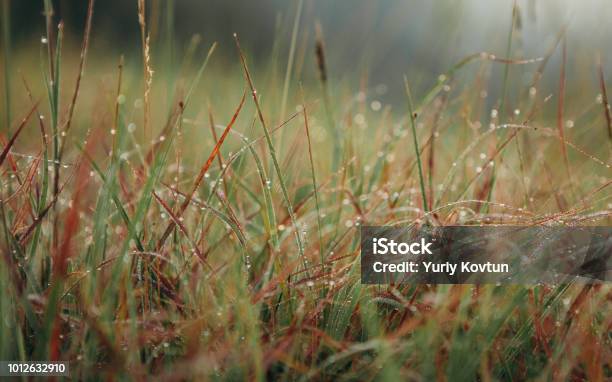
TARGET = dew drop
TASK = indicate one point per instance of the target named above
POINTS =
(532, 91)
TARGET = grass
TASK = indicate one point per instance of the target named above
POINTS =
(145, 258)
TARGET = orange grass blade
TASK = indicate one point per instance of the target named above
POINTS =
(11, 141)
(203, 171)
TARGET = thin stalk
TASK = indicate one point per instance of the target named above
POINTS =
(294, 33)
(211, 120)
(50, 38)
(416, 145)
(42, 200)
(323, 76)
(561, 107)
(147, 71)
(55, 97)
(84, 47)
(502, 105)
(605, 102)
(314, 178)
(331, 125)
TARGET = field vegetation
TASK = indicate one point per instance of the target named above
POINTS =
(197, 217)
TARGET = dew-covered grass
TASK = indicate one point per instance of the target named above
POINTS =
(201, 221)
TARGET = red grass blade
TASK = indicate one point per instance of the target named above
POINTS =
(11, 141)
(203, 171)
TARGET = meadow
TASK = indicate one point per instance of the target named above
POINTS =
(196, 217)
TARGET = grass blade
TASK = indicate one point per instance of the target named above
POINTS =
(11, 141)
(279, 173)
(605, 102)
(416, 145)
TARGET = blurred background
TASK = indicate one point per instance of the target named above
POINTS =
(381, 39)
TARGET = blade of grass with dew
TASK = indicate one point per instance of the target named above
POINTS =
(290, 59)
(416, 145)
(273, 155)
(7, 148)
(48, 12)
(313, 176)
(55, 99)
(604, 98)
(75, 94)
(42, 198)
(504, 91)
(270, 221)
(270, 216)
(54, 90)
(81, 69)
(333, 130)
